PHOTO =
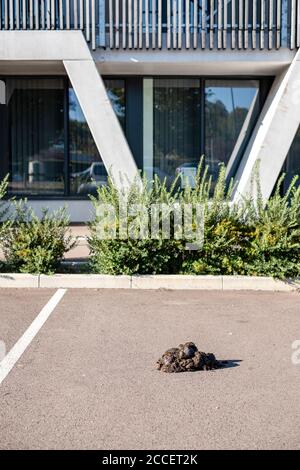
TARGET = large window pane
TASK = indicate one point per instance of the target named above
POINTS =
(292, 163)
(87, 169)
(172, 122)
(36, 135)
(231, 108)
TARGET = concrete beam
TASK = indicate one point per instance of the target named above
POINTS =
(102, 120)
(273, 134)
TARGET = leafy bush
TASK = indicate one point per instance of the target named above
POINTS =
(274, 239)
(128, 255)
(33, 244)
(246, 238)
(4, 209)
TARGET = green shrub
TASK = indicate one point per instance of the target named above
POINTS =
(274, 242)
(4, 208)
(249, 238)
(130, 256)
(33, 244)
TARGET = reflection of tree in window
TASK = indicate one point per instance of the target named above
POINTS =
(228, 106)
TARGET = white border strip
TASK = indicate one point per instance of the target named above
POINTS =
(172, 281)
(21, 345)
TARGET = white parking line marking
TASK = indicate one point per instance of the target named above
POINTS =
(22, 344)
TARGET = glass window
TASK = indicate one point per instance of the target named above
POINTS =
(35, 112)
(87, 171)
(172, 141)
(231, 109)
(292, 163)
(33, 135)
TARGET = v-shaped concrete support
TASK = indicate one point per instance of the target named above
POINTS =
(273, 134)
(70, 48)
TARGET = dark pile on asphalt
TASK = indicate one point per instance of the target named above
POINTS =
(187, 358)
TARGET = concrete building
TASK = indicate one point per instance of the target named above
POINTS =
(90, 86)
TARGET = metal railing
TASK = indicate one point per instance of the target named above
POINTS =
(203, 24)
(53, 15)
(163, 24)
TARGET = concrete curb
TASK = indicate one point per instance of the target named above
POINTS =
(19, 280)
(88, 281)
(172, 282)
(177, 282)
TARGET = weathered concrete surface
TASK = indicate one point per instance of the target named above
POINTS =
(88, 379)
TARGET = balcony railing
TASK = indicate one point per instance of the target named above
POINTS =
(163, 24)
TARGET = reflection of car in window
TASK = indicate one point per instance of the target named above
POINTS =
(188, 172)
(87, 181)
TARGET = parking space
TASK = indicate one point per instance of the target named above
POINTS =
(88, 379)
(18, 308)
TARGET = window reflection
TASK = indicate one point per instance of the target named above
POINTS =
(87, 171)
(176, 130)
(292, 163)
(231, 108)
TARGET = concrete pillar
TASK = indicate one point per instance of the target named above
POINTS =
(273, 134)
(102, 120)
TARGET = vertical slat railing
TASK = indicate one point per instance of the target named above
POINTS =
(195, 24)
(225, 19)
(93, 25)
(298, 25)
(17, 14)
(68, 18)
(87, 20)
(159, 32)
(262, 25)
(233, 24)
(111, 25)
(135, 23)
(241, 24)
(187, 25)
(147, 32)
(81, 17)
(61, 14)
(11, 14)
(270, 32)
(174, 23)
(147, 41)
(220, 25)
(203, 24)
(117, 24)
(168, 24)
(211, 24)
(278, 24)
(293, 24)
(153, 23)
(139, 24)
(180, 23)
(246, 30)
(130, 24)
(124, 20)
(54, 14)
(254, 24)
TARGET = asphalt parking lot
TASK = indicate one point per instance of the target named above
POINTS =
(87, 379)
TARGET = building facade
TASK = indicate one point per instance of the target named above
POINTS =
(95, 86)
